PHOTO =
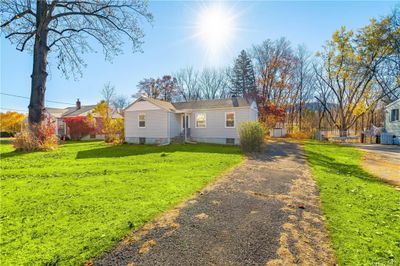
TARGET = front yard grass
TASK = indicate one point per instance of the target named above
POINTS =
(363, 213)
(69, 205)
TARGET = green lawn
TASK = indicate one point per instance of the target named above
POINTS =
(363, 214)
(74, 203)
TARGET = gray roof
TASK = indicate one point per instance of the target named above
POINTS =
(75, 112)
(69, 111)
(217, 103)
(392, 103)
(163, 104)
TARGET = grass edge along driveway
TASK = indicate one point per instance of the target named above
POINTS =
(362, 212)
(72, 204)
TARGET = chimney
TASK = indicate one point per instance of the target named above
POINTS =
(234, 100)
(78, 104)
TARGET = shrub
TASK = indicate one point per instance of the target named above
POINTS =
(251, 136)
(44, 139)
(25, 141)
(112, 128)
(79, 126)
(300, 135)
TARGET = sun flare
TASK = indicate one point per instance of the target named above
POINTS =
(215, 28)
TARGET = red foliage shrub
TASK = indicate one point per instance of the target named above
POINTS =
(79, 126)
(271, 114)
(37, 137)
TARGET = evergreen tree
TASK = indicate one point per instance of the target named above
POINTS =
(243, 80)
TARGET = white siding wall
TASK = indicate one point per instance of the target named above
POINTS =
(253, 116)
(162, 125)
(215, 123)
(175, 124)
(392, 127)
(156, 124)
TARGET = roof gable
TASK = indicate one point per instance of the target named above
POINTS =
(167, 106)
(394, 103)
(142, 105)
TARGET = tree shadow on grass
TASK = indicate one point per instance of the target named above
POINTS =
(134, 149)
(14, 153)
(342, 169)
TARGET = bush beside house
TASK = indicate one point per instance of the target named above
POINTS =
(45, 139)
(251, 136)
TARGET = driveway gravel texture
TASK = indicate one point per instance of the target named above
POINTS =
(382, 161)
(266, 211)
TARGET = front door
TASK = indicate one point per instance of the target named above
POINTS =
(185, 121)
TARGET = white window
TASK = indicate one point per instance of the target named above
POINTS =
(201, 120)
(230, 120)
(142, 120)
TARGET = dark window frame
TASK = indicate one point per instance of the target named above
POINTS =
(394, 115)
(230, 141)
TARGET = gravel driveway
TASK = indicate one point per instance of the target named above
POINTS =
(383, 161)
(264, 212)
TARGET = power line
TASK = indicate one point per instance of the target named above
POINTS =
(24, 97)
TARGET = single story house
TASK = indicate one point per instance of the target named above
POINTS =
(58, 115)
(153, 121)
(392, 123)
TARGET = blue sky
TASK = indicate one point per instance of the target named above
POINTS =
(170, 45)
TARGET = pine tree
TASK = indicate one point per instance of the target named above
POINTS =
(243, 80)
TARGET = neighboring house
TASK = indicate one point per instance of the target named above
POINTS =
(392, 122)
(154, 121)
(58, 114)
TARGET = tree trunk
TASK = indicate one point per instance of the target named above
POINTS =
(343, 130)
(39, 74)
(301, 103)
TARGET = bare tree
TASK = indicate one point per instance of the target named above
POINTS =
(108, 93)
(213, 84)
(325, 101)
(164, 88)
(302, 80)
(120, 102)
(386, 31)
(274, 62)
(187, 84)
(147, 87)
(64, 28)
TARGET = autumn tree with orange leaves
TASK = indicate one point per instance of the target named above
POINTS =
(11, 122)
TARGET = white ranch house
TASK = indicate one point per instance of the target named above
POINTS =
(392, 123)
(154, 121)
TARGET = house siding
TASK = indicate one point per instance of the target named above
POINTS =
(156, 130)
(392, 127)
(175, 125)
(162, 124)
(253, 112)
(215, 131)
